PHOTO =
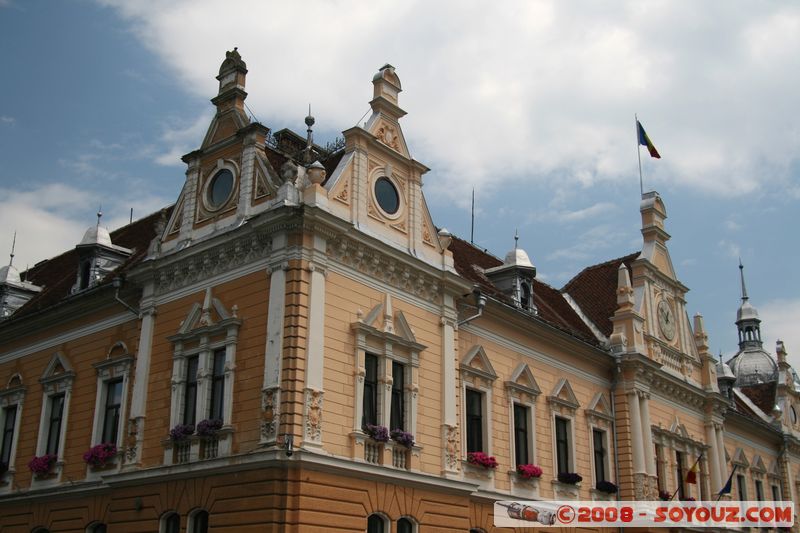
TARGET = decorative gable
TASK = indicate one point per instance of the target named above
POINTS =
(212, 316)
(758, 465)
(522, 382)
(740, 459)
(599, 409)
(383, 322)
(476, 363)
(679, 428)
(58, 375)
(562, 396)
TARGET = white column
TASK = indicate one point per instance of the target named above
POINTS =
(313, 394)
(273, 351)
(142, 371)
(637, 450)
(713, 458)
(723, 466)
(647, 436)
(448, 373)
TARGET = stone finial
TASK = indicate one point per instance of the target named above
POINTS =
(316, 173)
(386, 84)
(624, 290)
(700, 335)
(780, 350)
(445, 238)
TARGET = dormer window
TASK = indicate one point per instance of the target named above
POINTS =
(85, 275)
(526, 299)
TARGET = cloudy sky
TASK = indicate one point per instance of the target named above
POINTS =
(530, 102)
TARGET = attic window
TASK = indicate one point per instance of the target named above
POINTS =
(86, 269)
(220, 190)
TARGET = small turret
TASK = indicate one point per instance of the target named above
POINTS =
(515, 277)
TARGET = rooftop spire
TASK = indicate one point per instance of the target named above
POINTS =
(309, 134)
(516, 237)
(99, 214)
(741, 274)
(13, 246)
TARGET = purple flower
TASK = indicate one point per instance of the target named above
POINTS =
(570, 478)
(403, 438)
(181, 432)
(101, 454)
(209, 427)
(377, 433)
(43, 464)
(607, 487)
(664, 495)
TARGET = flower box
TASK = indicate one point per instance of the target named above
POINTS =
(209, 427)
(607, 487)
(403, 438)
(664, 496)
(482, 459)
(101, 455)
(569, 478)
(377, 433)
(43, 465)
(181, 432)
(529, 471)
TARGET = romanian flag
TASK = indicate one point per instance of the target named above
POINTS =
(691, 475)
(644, 140)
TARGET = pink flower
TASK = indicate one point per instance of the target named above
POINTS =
(481, 459)
(42, 465)
(529, 471)
(101, 454)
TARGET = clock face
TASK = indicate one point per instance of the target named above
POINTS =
(666, 320)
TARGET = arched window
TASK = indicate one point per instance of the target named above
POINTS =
(526, 295)
(406, 525)
(170, 523)
(198, 522)
(376, 524)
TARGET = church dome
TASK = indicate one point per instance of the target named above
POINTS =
(752, 366)
(9, 274)
(96, 235)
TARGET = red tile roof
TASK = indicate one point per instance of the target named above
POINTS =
(594, 289)
(56, 276)
(762, 394)
(471, 262)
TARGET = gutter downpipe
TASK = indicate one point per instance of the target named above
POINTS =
(614, 380)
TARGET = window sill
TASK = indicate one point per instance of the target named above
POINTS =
(526, 487)
(388, 454)
(600, 496)
(565, 491)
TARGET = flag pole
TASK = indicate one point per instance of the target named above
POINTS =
(727, 484)
(472, 227)
(639, 155)
(682, 481)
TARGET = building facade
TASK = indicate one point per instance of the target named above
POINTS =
(295, 346)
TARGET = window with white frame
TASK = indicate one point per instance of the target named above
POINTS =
(203, 364)
(600, 455)
(113, 379)
(57, 390)
(377, 523)
(170, 523)
(477, 377)
(11, 400)
(522, 391)
(563, 406)
(475, 420)
(406, 525)
(387, 366)
(563, 432)
(198, 521)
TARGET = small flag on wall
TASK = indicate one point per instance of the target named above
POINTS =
(691, 475)
(644, 140)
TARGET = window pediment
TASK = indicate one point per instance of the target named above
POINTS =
(563, 396)
(389, 326)
(740, 458)
(758, 465)
(476, 363)
(599, 408)
(207, 319)
(523, 382)
(58, 375)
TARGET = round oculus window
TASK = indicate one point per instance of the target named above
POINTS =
(387, 196)
(220, 189)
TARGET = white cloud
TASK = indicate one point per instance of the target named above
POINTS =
(4, 118)
(51, 218)
(730, 248)
(520, 90)
(779, 320)
(179, 139)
